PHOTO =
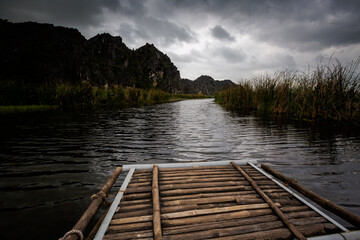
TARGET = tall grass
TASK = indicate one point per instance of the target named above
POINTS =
(331, 91)
(86, 96)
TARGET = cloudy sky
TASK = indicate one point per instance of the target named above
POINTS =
(222, 38)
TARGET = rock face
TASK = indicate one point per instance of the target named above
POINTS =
(35, 53)
(204, 85)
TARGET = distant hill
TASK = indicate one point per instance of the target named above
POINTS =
(37, 54)
(204, 85)
(40, 53)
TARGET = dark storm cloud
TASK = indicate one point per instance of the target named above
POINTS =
(285, 33)
(66, 12)
(220, 33)
(306, 25)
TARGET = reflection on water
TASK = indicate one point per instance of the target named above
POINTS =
(52, 162)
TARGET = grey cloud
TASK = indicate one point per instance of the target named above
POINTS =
(230, 55)
(220, 33)
(65, 12)
(157, 31)
(305, 25)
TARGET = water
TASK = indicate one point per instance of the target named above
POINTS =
(50, 163)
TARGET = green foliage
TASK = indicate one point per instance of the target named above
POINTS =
(329, 92)
(26, 108)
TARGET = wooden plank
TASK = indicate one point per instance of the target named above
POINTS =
(156, 205)
(271, 204)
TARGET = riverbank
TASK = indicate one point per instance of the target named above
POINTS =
(84, 96)
(330, 92)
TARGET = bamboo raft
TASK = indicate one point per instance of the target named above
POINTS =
(211, 200)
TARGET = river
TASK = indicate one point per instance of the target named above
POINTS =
(51, 162)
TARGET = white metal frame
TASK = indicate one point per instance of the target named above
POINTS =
(186, 164)
(105, 224)
(272, 178)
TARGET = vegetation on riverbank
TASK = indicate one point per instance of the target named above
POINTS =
(22, 98)
(27, 108)
(331, 91)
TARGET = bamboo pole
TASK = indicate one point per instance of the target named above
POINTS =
(130, 227)
(156, 204)
(210, 200)
(136, 196)
(222, 224)
(197, 168)
(203, 190)
(90, 212)
(202, 184)
(198, 212)
(204, 195)
(271, 204)
(129, 235)
(139, 219)
(283, 233)
(222, 232)
(93, 231)
(215, 217)
(133, 213)
(222, 179)
(325, 203)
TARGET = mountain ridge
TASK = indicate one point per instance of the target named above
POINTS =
(41, 53)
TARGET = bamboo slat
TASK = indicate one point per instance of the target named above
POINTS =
(208, 200)
(214, 210)
(130, 227)
(221, 232)
(271, 204)
(204, 195)
(222, 224)
(203, 190)
(202, 184)
(215, 217)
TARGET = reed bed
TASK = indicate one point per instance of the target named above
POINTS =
(80, 96)
(87, 96)
(331, 91)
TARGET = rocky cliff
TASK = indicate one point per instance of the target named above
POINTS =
(34, 54)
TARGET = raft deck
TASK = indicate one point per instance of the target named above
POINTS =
(236, 200)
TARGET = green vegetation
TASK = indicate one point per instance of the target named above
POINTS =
(17, 98)
(179, 97)
(27, 108)
(329, 92)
